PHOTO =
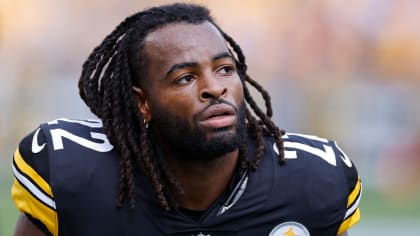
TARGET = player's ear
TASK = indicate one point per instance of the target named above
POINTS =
(142, 103)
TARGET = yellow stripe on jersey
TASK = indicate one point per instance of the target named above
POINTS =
(29, 171)
(352, 215)
(27, 203)
(33, 195)
(349, 222)
(355, 193)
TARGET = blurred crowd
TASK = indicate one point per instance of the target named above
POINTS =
(346, 70)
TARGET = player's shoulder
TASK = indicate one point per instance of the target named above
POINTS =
(317, 167)
(35, 149)
(322, 158)
(317, 158)
(54, 149)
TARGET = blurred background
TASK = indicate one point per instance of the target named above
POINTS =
(346, 70)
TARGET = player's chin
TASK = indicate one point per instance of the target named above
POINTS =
(226, 135)
(227, 131)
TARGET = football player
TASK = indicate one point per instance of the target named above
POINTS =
(180, 146)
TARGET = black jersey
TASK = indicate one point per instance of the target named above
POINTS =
(66, 181)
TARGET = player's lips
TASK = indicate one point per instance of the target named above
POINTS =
(218, 116)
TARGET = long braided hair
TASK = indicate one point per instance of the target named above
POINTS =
(116, 65)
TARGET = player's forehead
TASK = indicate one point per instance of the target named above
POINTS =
(176, 39)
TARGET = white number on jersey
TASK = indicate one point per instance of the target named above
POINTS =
(326, 152)
(59, 134)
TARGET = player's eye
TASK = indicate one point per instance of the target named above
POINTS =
(226, 70)
(186, 79)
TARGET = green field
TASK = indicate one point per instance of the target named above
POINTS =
(374, 205)
(8, 212)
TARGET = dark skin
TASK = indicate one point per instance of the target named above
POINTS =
(195, 69)
(25, 227)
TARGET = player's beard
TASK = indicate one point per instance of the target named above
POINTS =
(189, 142)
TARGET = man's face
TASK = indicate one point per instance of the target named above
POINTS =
(193, 91)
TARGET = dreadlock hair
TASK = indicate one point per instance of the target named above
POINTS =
(116, 65)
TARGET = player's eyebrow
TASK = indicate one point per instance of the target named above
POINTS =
(222, 55)
(182, 65)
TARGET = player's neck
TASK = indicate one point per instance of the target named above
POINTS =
(203, 182)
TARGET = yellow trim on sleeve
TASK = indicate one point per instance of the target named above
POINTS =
(349, 222)
(354, 193)
(27, 203)
(29, 171)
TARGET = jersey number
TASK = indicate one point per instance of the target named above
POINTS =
(59, 134)
(326, 153)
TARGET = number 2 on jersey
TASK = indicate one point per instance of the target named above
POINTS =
(59, 134)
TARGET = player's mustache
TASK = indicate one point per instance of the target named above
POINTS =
(212, 103)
